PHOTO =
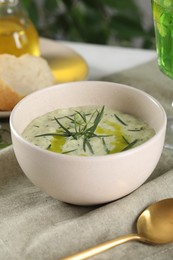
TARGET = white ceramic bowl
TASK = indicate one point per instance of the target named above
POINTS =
(88, 180)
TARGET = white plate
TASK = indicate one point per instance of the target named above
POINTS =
(4, 114)
(67, 65)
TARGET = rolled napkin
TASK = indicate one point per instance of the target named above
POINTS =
(36, 226)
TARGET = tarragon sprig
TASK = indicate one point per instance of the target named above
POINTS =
(82, 129)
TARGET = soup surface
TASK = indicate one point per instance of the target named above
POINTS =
(87, 131)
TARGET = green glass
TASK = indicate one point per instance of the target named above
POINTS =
(163, 24)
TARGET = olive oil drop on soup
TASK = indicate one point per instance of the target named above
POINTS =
(87, 131)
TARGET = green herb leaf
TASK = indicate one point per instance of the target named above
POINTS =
(120, 120)
(96, 121)
(48, 147)
(136, 130)
(64, 128)
(130, 145)
(53, 134)
(105, 146)
(81, 115)
(125, 139)
(87, 143)
(70, 151)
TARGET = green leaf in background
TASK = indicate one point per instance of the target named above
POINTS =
(92, 21)
(119, 24)
(5, 137)
(90, 26)
(32, 10)
(3, 145)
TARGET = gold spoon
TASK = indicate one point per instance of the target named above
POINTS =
(154, 226)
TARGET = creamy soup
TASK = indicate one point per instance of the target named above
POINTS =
(87, 131)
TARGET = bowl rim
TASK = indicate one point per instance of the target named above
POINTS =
(95, 157)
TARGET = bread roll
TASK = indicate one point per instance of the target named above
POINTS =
(19, 76)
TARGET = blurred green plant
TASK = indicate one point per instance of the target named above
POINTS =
(92, 21)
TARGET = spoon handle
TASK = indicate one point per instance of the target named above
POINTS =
(102, 247)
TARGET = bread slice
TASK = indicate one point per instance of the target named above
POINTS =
(19, 76)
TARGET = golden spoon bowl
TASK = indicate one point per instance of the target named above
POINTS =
(154, 226)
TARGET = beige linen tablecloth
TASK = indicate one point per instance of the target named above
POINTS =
(34, 226)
